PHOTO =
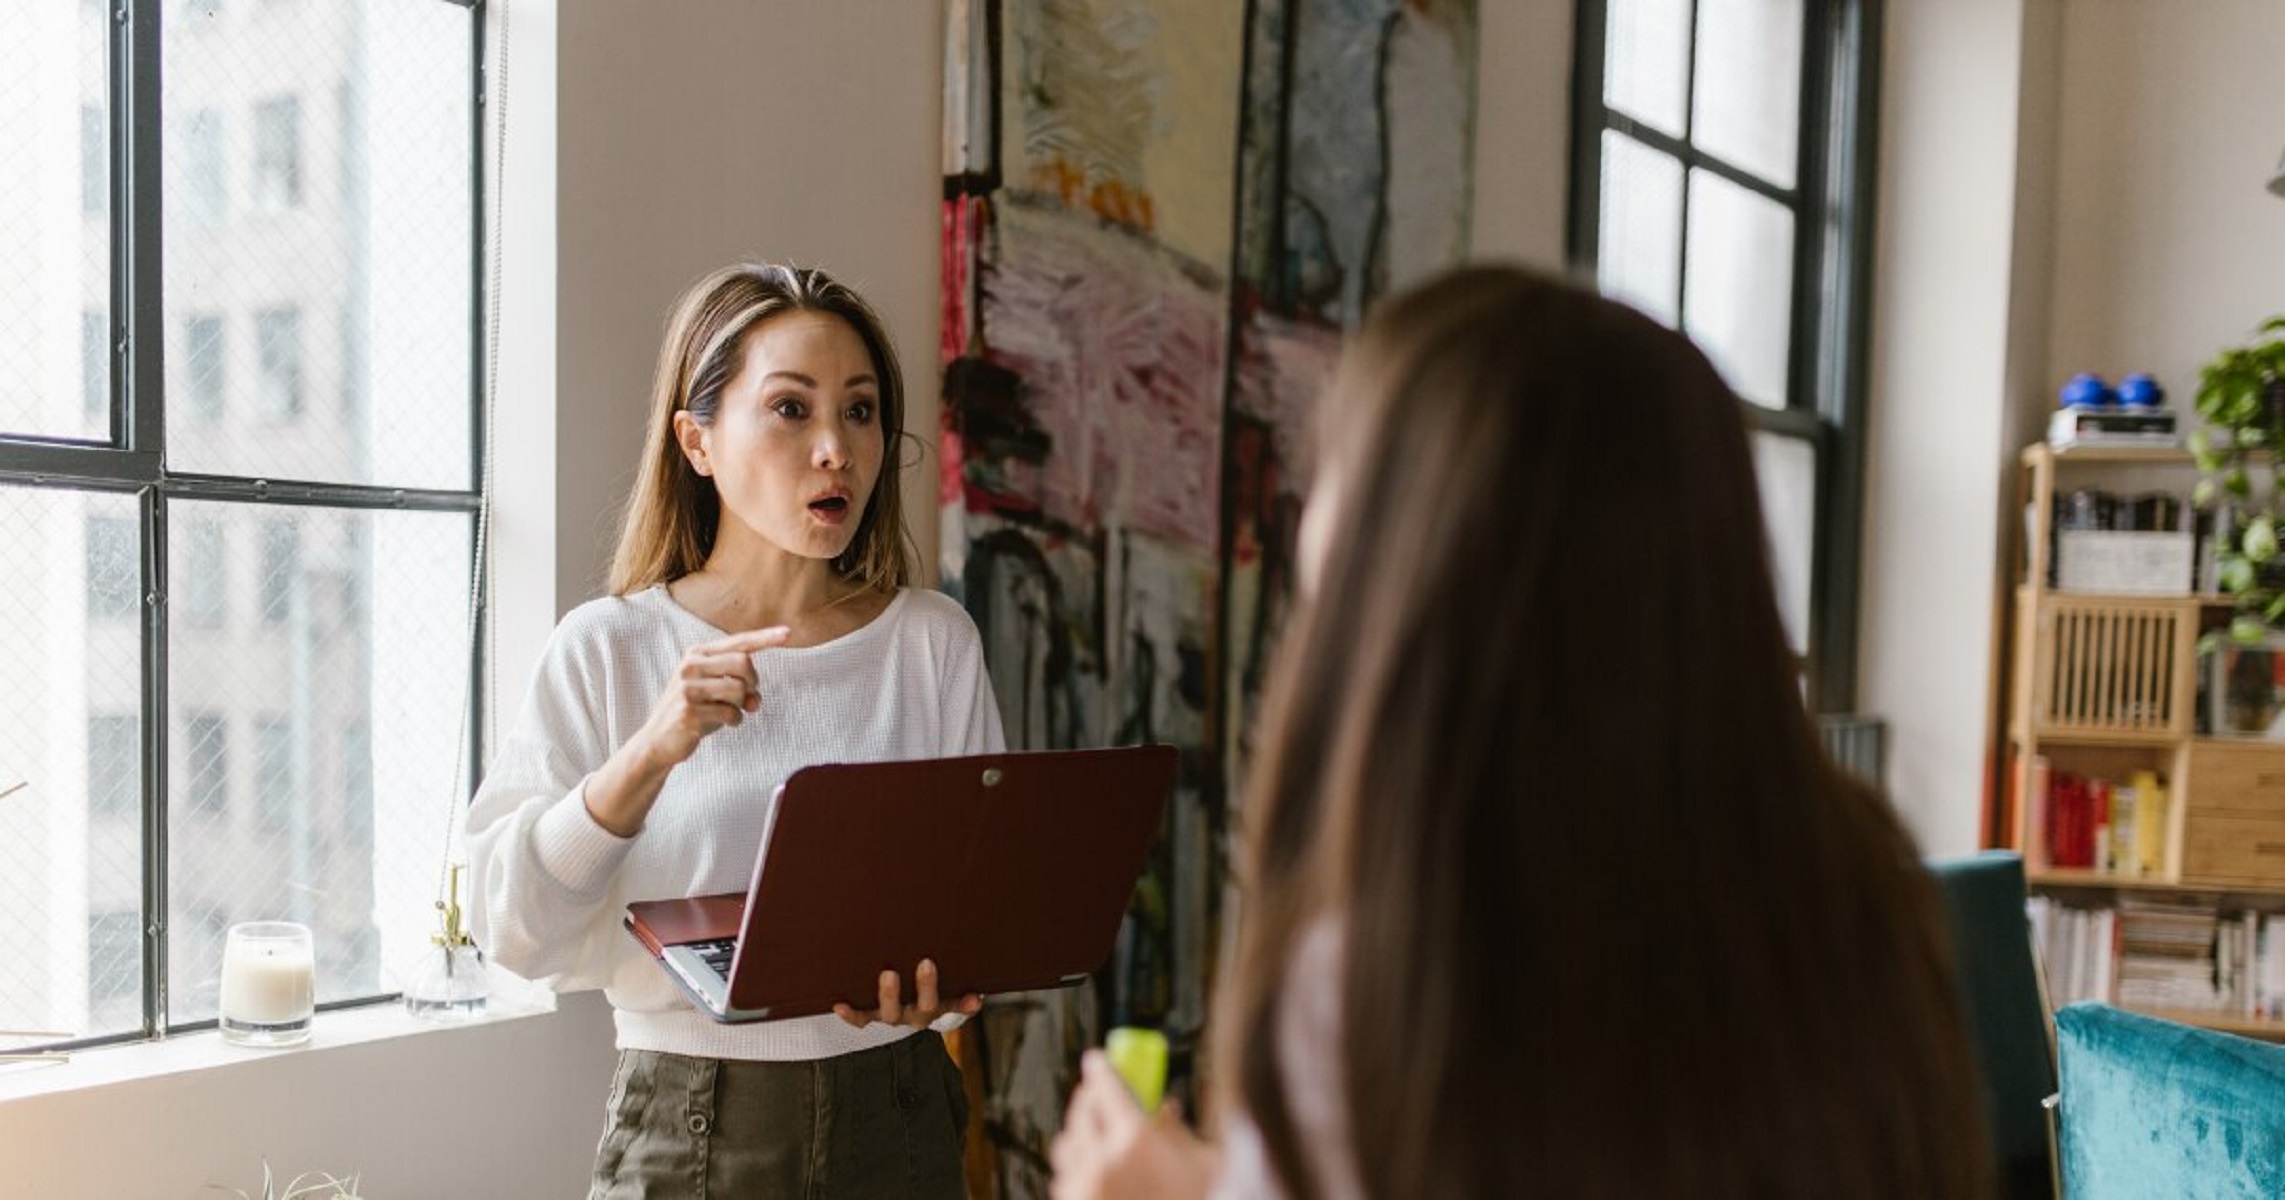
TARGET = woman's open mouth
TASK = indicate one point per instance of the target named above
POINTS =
(831, 508)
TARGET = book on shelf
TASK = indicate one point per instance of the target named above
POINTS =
(2084, 822)
(2169, 955)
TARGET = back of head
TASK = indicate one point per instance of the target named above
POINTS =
(669, 524)
(1612, 925)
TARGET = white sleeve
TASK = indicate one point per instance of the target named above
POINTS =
(971, 712)
(540, 867)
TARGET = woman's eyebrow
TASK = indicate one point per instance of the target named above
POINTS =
(806, 381)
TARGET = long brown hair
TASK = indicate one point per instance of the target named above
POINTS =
(673, 511)
(1611, 924)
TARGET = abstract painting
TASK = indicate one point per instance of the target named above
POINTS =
(1160, 217)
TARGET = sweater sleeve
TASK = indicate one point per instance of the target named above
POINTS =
(540, 867)
(971, 712)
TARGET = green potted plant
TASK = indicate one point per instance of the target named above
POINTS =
(2241, 400)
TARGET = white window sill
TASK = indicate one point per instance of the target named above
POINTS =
(512, 999)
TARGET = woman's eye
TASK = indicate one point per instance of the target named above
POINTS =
(861, 412)
(790, 408)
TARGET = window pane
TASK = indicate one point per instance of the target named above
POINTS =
(277, 154)
(1747, 105)
(1787, 468)
(71, 731)
(55, 224)
(114, 765)
(274, 769)
(331, 709)
(1638, 256)
(205, 191)
(198, 381)
(1739, 305)
(1646, 48)
(277, 341)
(203, 740)
(317, 201)
(280, 567)
(201, 588)
(95, 371)
(114, 572)
(94, 162)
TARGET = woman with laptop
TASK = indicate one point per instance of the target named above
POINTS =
(1550, 890)
(759, 620)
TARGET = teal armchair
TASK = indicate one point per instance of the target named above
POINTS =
(1983, 898)
(2152, 1108)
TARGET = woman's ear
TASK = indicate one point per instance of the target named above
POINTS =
(691, 436)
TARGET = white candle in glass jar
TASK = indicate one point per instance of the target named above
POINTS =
(269, 974)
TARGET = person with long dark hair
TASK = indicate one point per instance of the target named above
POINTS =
(1548, 889)
(759, 620)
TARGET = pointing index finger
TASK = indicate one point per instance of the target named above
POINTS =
(753, 640)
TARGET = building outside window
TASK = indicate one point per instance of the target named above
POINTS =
(202, 580)
(204, 378)
(205, 182)
(280, 570)
(206, 758)
(94, 368)
(94, 168)
(274, 771)
(277, 154)
(114, 744)
(114, 582)
(114, 958)
(277, 338)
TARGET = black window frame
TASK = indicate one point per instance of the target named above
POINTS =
(1832, 200)
(126, 454)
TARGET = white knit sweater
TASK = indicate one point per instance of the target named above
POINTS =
(550, 885)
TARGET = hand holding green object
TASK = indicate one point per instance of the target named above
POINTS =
(1139, 1056)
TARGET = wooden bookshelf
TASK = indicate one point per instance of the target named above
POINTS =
(2105, 686)
(2082, 879)
(2252, 1027)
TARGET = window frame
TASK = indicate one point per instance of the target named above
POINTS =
(1832, 198)
(128, 456)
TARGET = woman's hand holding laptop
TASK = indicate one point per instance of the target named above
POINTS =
(925, 1008)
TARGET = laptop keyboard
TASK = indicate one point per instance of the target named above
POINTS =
(716, 954)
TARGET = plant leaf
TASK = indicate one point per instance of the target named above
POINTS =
(2236, 573)
(2248, 630)
(2238, 483)
(2202, 495)
(2260, 541)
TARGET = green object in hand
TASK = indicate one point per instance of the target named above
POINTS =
(1139, 1056)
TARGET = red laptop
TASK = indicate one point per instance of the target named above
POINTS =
(1012, 871)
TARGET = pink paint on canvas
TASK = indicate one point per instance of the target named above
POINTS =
(1120, 347)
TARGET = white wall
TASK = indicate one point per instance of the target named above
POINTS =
(2065, 185)
(1523, 131)
(509, 1110)
(1944, 273)
(697, 133)
(2173, 118)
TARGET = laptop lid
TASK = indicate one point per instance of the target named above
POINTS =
(1012, 871)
